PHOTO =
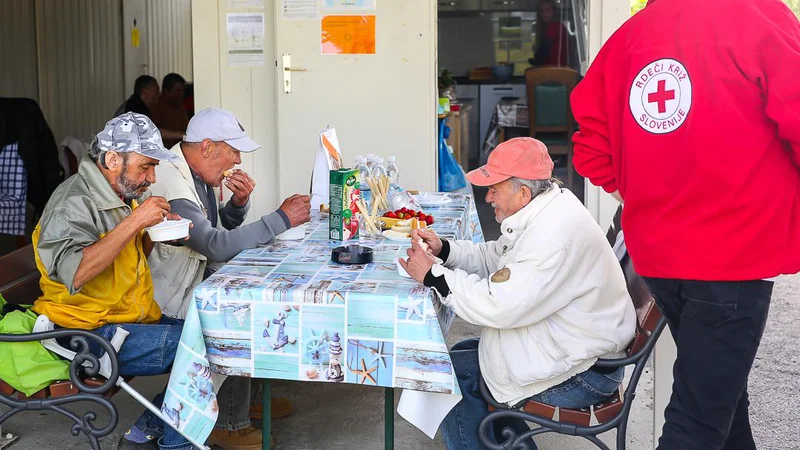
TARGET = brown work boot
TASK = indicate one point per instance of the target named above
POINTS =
(245, 439)
(281, 407)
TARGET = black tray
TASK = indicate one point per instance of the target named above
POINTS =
(352, 254)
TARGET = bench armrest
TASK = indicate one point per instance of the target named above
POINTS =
(79, 343)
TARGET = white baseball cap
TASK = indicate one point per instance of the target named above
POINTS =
(219, 125)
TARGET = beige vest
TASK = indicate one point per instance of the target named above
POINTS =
(176, 271)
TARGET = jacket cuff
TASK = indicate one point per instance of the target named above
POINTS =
(611, 187)
(445, 253)
(285, 218)
(275, 222)
(438, 283)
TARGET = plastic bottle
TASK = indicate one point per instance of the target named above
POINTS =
(393, 172)
(370, 161)
(378, 169)
(363, 174)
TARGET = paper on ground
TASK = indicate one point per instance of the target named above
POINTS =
(426, 410)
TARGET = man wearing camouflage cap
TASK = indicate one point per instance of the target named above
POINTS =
(92, 253)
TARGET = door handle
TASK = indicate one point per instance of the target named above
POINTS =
(287, 72)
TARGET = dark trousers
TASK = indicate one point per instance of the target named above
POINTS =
(717, 327)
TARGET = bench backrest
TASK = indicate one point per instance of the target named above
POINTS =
(19, 277)
(647, 312)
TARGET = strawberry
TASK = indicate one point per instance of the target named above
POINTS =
(401, 215)
(403, 210)
(429, 220)
(391, 215)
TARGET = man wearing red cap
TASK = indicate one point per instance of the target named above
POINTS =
(694, 123)
(549, 294)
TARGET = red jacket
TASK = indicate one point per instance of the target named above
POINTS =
(692, 111)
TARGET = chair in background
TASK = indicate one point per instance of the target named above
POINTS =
(549, 111)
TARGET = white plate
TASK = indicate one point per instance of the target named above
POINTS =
(432, 199)
(293, 234)
(395, 236)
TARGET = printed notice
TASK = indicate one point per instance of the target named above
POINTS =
(300, 9)
(244, 4)
(348, 35)
(349, 4)
(245, 39)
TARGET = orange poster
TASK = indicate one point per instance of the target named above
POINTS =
(348, 35)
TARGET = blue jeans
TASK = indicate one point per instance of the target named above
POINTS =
(150, 349)
(235, 397)
(460, 427)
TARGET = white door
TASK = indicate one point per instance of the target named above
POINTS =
(382, 103)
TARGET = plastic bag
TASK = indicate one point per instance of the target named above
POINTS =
(451, 177)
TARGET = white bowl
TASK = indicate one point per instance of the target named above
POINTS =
(402, 271)
(169, 230)
(293, 234)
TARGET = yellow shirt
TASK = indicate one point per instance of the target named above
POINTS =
(81, 212)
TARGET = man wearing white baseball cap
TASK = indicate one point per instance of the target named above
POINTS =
(211, 149)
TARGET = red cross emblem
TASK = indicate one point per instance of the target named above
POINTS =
(661, 95)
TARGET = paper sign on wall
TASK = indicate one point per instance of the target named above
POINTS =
(245, 39)
(299, 9)
(243, 4)
(349, 4)
(348, 35)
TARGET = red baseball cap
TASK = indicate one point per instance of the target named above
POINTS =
(521, 157)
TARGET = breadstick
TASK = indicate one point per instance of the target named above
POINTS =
(370, 220)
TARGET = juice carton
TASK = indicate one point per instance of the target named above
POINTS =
(344, 215)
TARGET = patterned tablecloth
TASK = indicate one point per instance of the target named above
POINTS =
(285, 311)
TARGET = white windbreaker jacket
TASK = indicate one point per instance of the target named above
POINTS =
(549, 294)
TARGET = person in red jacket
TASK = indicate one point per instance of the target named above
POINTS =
(691, 114)
(552, 38)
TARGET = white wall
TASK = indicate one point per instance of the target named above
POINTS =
(605, 17)
(248, 92)
(134, 58)
(165, 29)
(399, 123)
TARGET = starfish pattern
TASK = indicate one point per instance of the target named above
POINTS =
(207, 297)
(315, 347)
(334, 295)
(379, 355)
(412, 307)
(363, 372)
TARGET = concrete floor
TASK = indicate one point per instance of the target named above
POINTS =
(350, 417)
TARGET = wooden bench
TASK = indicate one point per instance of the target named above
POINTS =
(19, 285)
(610, 414)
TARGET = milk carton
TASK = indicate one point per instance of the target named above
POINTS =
(344, 216)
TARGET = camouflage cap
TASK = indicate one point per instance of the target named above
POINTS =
(132, 132)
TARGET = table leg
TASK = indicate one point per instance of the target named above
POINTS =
(388, 419)
(266, 431)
